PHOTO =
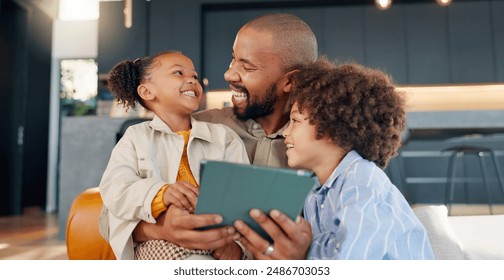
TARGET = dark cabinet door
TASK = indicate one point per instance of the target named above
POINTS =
(25, 52)
(115, 41)
(13, 105)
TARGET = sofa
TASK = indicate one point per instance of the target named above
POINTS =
(83, 238)
(478, 237)
(452, 237)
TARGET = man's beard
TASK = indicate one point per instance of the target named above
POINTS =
(259, 108)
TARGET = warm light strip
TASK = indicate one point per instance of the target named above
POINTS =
(128, 13)
(422, 98)
(218, 99)
(454, 98)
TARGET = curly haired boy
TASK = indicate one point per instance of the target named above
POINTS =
(345, 125)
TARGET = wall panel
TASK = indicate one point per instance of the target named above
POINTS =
(385, 44)
(343, 33)
(428, 57)
(470, 37)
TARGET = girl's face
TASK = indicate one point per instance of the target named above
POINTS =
(304, 151)
(174, 84)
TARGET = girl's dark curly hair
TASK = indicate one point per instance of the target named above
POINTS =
(358, 108)
(126, 76)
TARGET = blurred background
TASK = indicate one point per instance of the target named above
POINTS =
(59, 121)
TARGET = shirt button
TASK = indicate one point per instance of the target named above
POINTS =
(322, 206)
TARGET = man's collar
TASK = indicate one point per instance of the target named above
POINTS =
(256, 129)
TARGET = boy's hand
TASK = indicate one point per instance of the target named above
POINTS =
(181, 194)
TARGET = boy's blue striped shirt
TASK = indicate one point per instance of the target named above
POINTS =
(359, 214)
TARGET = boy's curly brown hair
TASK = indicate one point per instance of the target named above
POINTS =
(358, 108)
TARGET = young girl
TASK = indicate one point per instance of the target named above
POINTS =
(155, 165)
(346, 124)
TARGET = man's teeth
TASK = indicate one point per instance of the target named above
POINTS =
(290, 146)
(238, 96)
(189, 93)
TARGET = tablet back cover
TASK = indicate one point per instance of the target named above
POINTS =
(232, 190)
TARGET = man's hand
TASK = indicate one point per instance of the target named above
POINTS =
(231, 251)
(180, 227)
(291, 240)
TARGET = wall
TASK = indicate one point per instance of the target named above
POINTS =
(75, 39)
(418, 43)
(72, 39)
(77, 159)
(86, 143)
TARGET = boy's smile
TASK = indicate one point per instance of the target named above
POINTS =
(305, 150)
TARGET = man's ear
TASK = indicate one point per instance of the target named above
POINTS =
(144, 92)
(286, 81)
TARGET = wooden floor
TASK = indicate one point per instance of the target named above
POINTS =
(34, 235)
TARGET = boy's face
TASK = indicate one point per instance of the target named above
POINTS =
(304, 151)
(253, 74)
(174, 83)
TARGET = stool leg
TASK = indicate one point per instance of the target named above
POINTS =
(497, 171)
(485, 182)
(450, 184)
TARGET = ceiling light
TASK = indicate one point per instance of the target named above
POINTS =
(444, 2)
(383, 4)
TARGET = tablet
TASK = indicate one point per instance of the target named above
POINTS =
(232, 190)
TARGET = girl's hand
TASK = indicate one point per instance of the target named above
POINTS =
(181, 194)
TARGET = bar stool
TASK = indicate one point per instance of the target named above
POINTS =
(460, 152)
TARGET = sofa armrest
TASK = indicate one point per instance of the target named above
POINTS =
(83, 238)
(444, 242)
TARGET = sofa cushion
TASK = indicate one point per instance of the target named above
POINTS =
(482, 236)
(444, 242)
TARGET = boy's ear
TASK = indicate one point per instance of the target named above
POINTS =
(286, 81)
(144, 92)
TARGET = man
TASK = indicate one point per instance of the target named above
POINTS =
(266, 52)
